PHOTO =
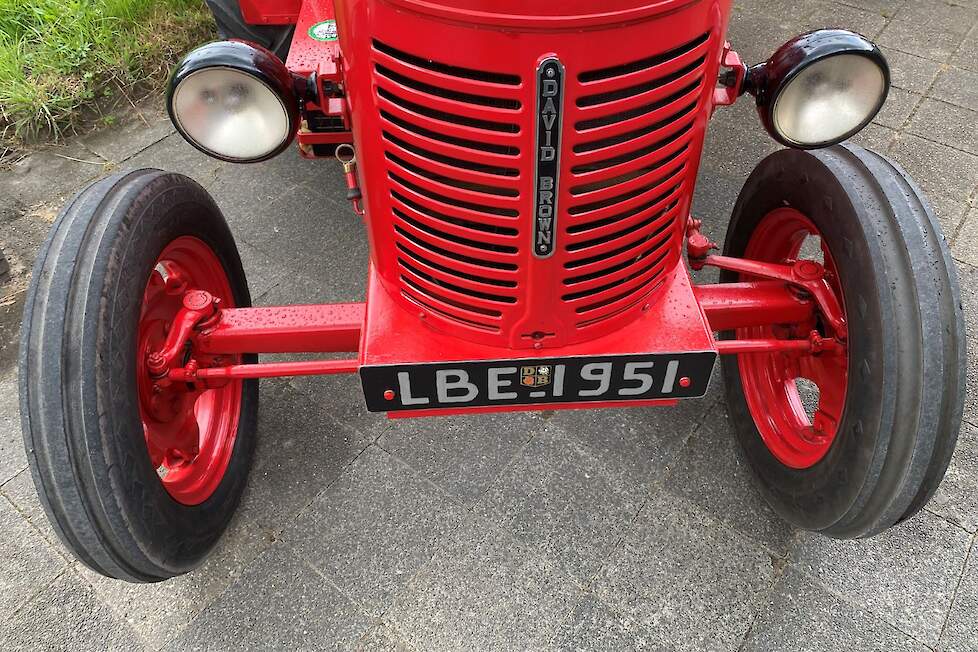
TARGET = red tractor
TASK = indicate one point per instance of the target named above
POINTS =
(525, 171)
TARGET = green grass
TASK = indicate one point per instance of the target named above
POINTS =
(63, 61)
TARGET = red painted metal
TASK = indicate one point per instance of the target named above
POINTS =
(770, 380)
(444, 97)
(211, 376)
(806, 274)
(313, 58)
(270, 12)
(752, 303)
(189, 431)
(333, 328)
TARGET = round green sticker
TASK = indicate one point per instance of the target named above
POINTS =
(324, 31)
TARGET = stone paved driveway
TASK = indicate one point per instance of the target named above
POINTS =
(612, 530)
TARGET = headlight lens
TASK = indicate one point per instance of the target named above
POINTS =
(231, 114)
(234, 101)
(820, 88)
(829, 100)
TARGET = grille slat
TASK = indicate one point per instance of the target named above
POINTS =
(445, 175)
(477, 280)
(631, 217)
(633, 113)
(448, 199)
(608, 300)
(615, 172)
(628, 188)
(627, 72)
(449, 70)
(499, 272)
(472, 115)
(456, 285)
(490, 154)
(646, 263)
(611, 249)
(448, 297)
(459, 230)
(435, 152)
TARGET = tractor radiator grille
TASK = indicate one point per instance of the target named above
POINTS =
(447, 135)
(451, 143)
(632, 128)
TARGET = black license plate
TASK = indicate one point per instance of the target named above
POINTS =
(389, 388)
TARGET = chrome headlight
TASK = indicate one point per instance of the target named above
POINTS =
(234, 101)
(820, 88)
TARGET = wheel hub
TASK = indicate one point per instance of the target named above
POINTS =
(189, 428)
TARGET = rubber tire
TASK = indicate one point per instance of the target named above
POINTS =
(907, 356)
(230, 24)
(78, 398)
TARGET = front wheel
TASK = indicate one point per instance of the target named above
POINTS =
(850, 443)
(138, 477)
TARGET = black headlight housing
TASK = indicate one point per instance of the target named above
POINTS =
(820, 88)
(234, 100)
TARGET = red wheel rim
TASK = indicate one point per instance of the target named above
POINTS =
(189, 430)
(771, 380)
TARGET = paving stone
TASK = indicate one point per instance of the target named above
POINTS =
(911, 72)
(462, 455)
(957, 497)
(875, 137)
(262, 271)
(29, 563)
(927, 41)
(689, 580)
(947, 124)
(20, 491)
(965, 246)
(484, 590)
(736, 142)
(381, 638)
(560, 498)
(635, 444)
(939, 170)
(757, 35)
(13, 459)
(301, 450)
(950, 16)
(800, 615)
(595, 626)
(950, 212)
(66, 615)
(327, 268)
(711, 474)
(886, 8)
(50, 175)
(967, 54)
(341, 397)
(157, 613)
(905, 576)
(174, 154)
(373, 529)
(828, 15)
(957, 86)
(961, 632)
(145, 125)
(279, 603)
(899, 105)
